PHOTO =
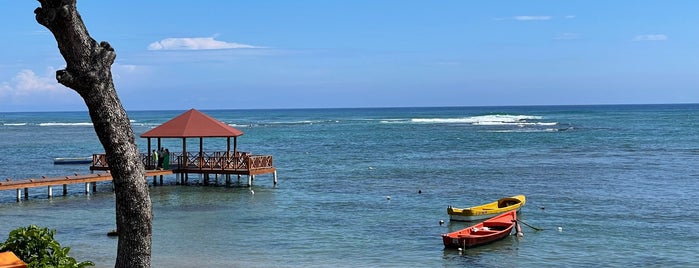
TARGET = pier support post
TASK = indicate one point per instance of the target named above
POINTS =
(50, 191)
(275, 177)
(19, 195)
(161, 180)
(155, 181)
(26, 193)
(228, 180)
(94, 187)
(87, 188)
(65, 189)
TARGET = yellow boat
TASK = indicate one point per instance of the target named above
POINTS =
(487, 210)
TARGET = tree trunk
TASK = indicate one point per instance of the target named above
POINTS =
(88, 72)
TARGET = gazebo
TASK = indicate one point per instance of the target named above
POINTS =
(195, 124)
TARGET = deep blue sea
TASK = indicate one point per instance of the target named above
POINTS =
(612, 186)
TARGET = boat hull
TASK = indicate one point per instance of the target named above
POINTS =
(486, 211)
(488, 231)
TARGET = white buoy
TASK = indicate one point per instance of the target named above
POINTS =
(388, 197)
(441, 222)
(518, 229)
(560, 229)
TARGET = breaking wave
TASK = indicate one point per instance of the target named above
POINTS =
(488, 120)
(52, 124)
(499, 122)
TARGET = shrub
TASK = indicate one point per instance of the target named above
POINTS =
(36, 247)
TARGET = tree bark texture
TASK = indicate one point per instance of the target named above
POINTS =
(88, 72)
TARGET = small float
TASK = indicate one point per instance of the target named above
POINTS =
(72, 160)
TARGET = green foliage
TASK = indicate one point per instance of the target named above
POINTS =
(36, 247)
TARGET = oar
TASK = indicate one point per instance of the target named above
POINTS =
(533, 227)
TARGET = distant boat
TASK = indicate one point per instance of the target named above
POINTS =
(72, 160)
(487, 210)
(488, 231)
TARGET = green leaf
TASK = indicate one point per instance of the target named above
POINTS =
(37, 247)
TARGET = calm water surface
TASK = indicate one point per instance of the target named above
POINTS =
(620, 181)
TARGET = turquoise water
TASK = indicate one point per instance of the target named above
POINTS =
(620, 181)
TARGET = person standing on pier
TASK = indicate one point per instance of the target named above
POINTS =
(154, 158)
(166, 159)
(161, 153)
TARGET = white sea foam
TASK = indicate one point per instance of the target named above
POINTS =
(485, 120)
(241, 125)
(525, 130)
(14, 124)
(392, 121)
(52, 124)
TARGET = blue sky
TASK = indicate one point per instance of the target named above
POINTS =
(317, 54)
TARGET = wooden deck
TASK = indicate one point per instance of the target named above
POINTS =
(87, 179)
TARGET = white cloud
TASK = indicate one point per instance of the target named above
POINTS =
(27, 84)
(650, 37)
(195, 43)
(5, 90)
(125, 67)
(525, 18)
(567, 36)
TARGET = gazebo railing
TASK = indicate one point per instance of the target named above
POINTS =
(260, 161)
(99, 160)
(203, 161)
(222, 160)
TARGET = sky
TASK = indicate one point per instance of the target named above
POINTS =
(177, 55)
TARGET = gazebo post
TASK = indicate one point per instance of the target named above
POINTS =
(184, 153)
(235, 152)
(235, 145)
(157, 149)
(148, 154)
(228, 151)
(201, 152)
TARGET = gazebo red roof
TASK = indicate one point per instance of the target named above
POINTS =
(192, 124)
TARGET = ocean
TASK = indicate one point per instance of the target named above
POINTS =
(611, 185)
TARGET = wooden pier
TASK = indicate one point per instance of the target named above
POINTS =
(189, 125)
(88, 179)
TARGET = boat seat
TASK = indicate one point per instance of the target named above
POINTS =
(484, 232)
(497, 227)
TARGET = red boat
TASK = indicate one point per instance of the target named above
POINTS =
(488, 231)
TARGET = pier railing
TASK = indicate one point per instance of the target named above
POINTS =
(201, 161)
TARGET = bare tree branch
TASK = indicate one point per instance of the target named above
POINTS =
(88, 72)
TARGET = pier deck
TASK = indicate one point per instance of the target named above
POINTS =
(88, 179)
